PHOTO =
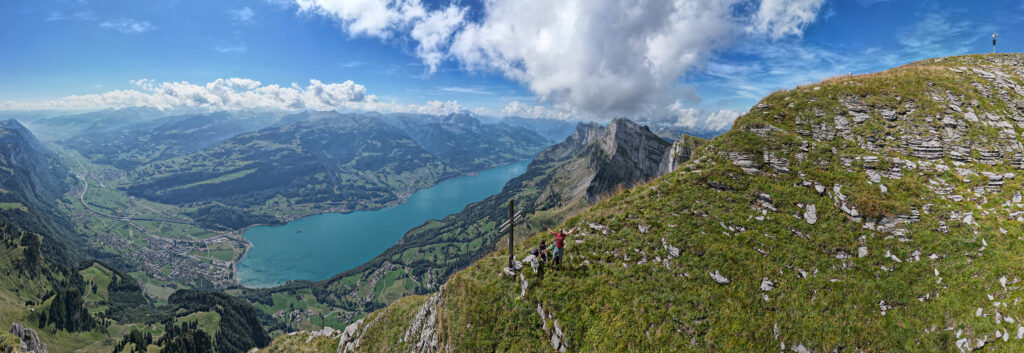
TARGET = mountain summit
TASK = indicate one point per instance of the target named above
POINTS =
(878, 212)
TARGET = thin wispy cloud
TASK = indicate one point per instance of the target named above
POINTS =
(352, 64)
(128, 26)
(243, 15)
(936, 34)
(470, 90)
(280, 3)
(84, 15)
(236, 48)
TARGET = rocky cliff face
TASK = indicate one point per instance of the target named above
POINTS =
(679, 153)
(29, 339)
(631, 153)
(600, 159)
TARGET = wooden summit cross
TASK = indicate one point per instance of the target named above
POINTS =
(513, 217)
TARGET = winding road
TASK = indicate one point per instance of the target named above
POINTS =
(129, 220)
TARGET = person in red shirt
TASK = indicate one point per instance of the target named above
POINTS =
(560, 243)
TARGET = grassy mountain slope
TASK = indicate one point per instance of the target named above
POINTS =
(28, 286)
(560, 181)
(878, 212)
(32, 180)
(133, 145)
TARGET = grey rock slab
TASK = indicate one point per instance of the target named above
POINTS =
(811, 214)
(718, 277)
(29, 338)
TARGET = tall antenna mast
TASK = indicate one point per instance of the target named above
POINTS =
(994, 35)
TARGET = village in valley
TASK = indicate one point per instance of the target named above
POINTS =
(168, 249)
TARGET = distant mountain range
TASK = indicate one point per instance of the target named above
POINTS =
(463, 142)
(555, 130)
(66, 126)
(672, 133)
(127, 147)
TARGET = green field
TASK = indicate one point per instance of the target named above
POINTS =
(208, 321)
(101, 278)
(13, 206)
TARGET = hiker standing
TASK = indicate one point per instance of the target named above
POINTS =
(560, 243)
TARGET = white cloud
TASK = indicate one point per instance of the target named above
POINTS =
(384, 19)
(434, 32)
(781, 18)
(603, 57)
(720, 120)
(128, 26)
(362, 17)
(230, 94)
(437, 108)
(691, 118)
(239, 94)
(242, 15)
(600, 58)
(520, 109)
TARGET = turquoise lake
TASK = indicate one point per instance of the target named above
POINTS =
(320, 246)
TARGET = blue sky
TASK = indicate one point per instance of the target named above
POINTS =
(685, 62)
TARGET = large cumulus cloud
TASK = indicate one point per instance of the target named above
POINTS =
(595, 57)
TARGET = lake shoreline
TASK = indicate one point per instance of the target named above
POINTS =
(403, 199)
